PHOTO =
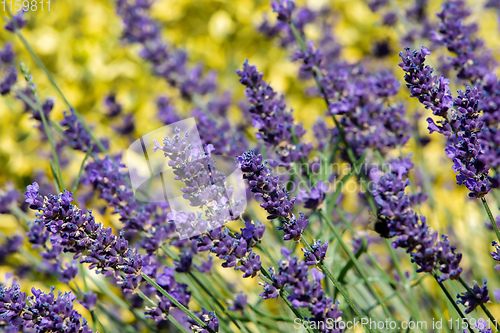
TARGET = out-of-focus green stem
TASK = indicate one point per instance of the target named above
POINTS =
(29, 80)
(452, 301)
(169, 316)
(355, 261)
(174, 301)
(491, 218)
(75, 186)
(53, 82)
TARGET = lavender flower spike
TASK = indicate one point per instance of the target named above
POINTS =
(42, 312)
(275, 197)
(431, 91)
(396, 218)
(77, 232)
(270, 116)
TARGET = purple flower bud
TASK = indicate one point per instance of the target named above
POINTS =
(89, 300)
(284, 9)
(17, 22)
(239, 303)
(472, 300)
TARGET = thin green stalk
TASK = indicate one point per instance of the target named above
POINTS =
(116, 322)
(343, 292)
(95, 318)
(29, 80)
(409, 292)
(118, 301)
(33, 106)
(174, 301)
(339, 286)
(16, 211)
(353, 258)
(96, 321)
(267, 315)
(205, 302)
(490, 216)
(481, 304)
(216, 300)
(53, 82)
(169, 316)
(75, 186)
(56, 177)
(268, 255)
(452, 301)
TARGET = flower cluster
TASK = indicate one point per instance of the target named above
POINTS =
(361, 97)
(275, 124)
(275, 197)
(43, 312)
(293, 276)
(7, 69)
(75, 134)
(496, 254)
(171, 64)
(235, 250)
(164, 276)
(204, 184)
(72, 230)
(285, 9)
(208, 318)
(166, 111)
(107, 177)
(239, 303)
(314, 197)
(474, 298)
(466, 148)
(167, 62)
(490, 133)
(432, 91)
(10, 245)
(8, 197)
(317, 253)
(471, 60)
(17, 21)
(396, 218)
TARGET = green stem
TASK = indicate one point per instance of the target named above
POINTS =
(452, 301)
(75, 186)
(355, 261)
(15, 210)
(29, 79)
(490, 216)
(174, 301)
(169, 316)
(53, 82)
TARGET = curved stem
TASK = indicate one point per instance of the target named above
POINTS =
(174, 301)
(452, 301)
